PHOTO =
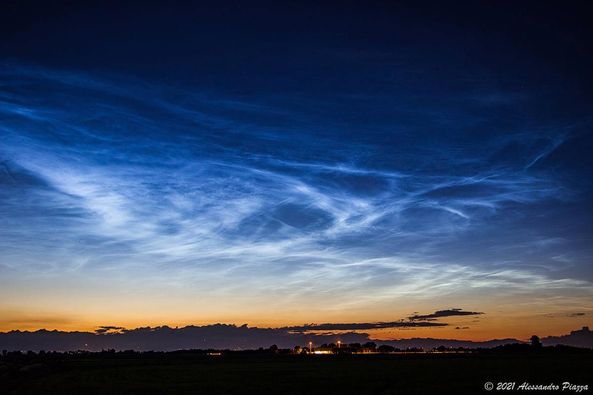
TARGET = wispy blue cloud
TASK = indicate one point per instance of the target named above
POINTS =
(157, 185)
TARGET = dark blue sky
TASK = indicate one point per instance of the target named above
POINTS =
(232, 161)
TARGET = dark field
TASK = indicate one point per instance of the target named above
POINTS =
(290, 374)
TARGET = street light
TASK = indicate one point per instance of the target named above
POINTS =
(310, 346)
(339, 343)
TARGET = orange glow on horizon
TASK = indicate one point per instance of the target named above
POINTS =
(487, 329)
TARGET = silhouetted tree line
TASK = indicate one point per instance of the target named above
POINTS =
(333, 348)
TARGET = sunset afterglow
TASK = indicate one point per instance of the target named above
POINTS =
(388, 181)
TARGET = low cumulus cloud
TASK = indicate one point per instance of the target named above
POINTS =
(109, 329)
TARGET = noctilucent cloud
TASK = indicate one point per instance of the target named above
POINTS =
(281, 165)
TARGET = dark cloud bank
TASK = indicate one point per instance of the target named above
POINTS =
(218, 336)
(222, 336)
(227, 336)
(443, 314)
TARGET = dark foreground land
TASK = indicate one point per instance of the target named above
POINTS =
(241, 373)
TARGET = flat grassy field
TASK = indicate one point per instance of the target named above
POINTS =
(290, 374)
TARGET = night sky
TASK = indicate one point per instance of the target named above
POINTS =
(287, 163)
